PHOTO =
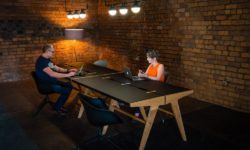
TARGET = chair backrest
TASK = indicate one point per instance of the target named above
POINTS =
(101, 63)
(166, 74)
(97, 112)
(42, 87)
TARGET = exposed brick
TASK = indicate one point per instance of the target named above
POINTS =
(203, 43)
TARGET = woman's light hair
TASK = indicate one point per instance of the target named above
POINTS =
(152, 53)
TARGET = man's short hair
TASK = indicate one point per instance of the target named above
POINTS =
(47, 47)
(152, 53)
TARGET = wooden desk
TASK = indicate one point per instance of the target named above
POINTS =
(139, 94)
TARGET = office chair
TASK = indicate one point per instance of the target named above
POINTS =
(43, 89)
(166, 74)
(166, 80)
(101, 63)
(99, 116)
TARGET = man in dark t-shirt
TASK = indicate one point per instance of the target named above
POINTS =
(48, 73)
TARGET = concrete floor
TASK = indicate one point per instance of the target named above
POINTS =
(50, 132)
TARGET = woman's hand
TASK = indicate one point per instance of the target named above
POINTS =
(141, 74)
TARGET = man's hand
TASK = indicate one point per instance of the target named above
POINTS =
(72, 70)
(71, 74)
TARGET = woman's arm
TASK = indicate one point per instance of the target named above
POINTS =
(143, 74)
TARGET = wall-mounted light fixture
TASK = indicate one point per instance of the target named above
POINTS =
(123, 7)
(75, 13)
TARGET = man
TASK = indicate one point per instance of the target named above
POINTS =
(48, 73)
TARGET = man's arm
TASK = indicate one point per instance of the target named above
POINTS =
(59, 69)
(63, 70)
(55, 74)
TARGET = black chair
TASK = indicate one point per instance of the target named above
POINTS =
(98, 115)
(166, 74)
(169, 113)
(43, 89)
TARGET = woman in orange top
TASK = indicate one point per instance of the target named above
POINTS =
(155, 70)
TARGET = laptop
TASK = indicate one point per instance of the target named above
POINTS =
(128, 74)
(80, 72)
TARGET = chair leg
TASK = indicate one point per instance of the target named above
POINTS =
(97, 137)
(111, 142)
(40, 107)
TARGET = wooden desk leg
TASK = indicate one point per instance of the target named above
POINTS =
(148, 126)
(143, 113)
(80, 111)
(86, 92)
(80, 88)
(112, 104)
(178, 118)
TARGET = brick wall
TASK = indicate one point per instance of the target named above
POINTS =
(26, 25)
(204, 44)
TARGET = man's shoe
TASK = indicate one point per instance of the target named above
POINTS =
(64, 110)
(61, 112)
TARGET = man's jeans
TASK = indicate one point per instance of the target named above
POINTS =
(63, 88)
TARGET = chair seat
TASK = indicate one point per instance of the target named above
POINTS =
(44, 89)
(101, 63)
(98, 115)
(97, 112)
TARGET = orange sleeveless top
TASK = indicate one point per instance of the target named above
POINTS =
(152, 72)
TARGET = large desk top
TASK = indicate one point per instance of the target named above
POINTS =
(116, 90)
(134, 93)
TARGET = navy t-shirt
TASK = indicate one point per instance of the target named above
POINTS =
(42, 63)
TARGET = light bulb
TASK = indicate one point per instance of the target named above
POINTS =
(69, 15)
(76, 15)
(112, 10)
(123, 10)
(82, 14)
(135, 8)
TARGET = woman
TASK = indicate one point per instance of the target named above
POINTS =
(155, 70)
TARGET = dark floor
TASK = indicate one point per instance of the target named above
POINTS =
(207, 126)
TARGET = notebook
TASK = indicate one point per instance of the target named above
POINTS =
(129, 75)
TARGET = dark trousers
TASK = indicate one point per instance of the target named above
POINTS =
(63, 88)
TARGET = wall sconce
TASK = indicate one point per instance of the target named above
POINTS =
(123, 10)
(75, 14)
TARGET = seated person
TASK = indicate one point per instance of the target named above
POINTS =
(155, 70)
(48, 73)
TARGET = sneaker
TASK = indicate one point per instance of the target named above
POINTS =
(64, 110)
(61, 112)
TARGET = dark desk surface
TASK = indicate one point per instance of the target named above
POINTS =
(122, 89)
(93, 70)
(149, 85)
(116, 90)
